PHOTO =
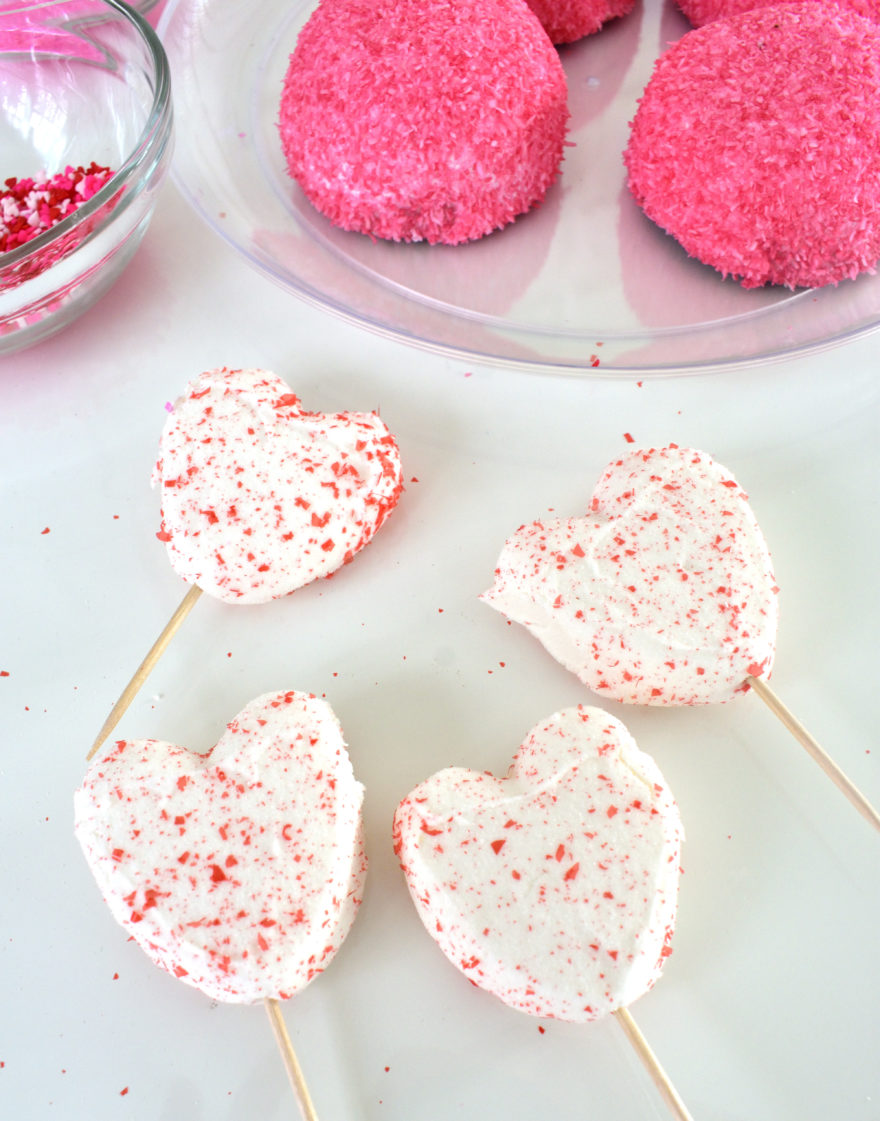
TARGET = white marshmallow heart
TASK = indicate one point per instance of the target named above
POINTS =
(241, 871)
(554, 888)
(260, 497)
(664, 594)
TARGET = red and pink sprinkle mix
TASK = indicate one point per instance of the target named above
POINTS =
(31, 206)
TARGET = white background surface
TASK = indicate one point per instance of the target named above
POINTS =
(768, 1007)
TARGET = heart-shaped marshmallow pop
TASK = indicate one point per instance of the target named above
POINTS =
(260, 497)
(554, 888)
(239, 872)
(664, 594)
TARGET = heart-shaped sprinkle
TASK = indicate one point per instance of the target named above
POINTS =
(554, 888)
(241, 871)
(260, 497)
(664, 594)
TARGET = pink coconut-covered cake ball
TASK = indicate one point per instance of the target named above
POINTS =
(421, 120)
(568, 20)
(756, 144)
(700, 12)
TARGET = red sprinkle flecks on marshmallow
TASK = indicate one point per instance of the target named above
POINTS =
(532, 886)
(260, 497)
(239, 872)
(664, 594)
(756, 144)
(421, 120)
(29, 206)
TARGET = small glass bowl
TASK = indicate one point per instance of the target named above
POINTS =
(81, 81)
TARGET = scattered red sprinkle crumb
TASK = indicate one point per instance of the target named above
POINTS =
(46, 530)
(594, 360)
(630, 439)
(414, 479)
(228, 653)
(387, 1069)
(30, 206)
(123, 1091)
(4, 673)
(541, 1029)
(115, 976)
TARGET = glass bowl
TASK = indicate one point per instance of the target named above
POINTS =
(582, 285)
(81, 82)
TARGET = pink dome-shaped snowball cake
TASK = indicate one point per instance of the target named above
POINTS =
(568, 20)
(756, 144)
(699, 12)
(423, 120)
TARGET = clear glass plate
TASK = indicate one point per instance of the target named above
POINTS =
(583, 284)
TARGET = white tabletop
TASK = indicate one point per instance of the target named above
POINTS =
(768, 1007)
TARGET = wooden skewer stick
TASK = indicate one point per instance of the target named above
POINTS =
(800, 733)
(652, 1065)
(144, 669)
(294, 1073)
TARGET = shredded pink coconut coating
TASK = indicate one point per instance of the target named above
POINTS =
(422, 120)
(565, 21)
(700, 12)
(756, 144)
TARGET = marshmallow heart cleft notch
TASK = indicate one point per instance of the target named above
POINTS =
(663, 594)
(259, 496)
(556, 887)
(239, 872)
